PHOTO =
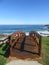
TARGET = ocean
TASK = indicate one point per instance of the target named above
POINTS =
(9, 29)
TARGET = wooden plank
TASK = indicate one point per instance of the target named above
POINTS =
(30, 41)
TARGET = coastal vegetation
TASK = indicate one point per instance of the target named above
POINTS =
(4, 53)
(45, 51)
(1, 36)
(44, 54)
(2, 58)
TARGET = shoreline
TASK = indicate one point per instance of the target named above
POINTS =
(42, 33)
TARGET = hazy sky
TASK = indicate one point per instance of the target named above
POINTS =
(24, 11)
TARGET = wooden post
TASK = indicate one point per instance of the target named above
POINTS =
(40, 40)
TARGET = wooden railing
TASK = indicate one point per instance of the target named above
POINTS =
(38, 39)
(15, 37)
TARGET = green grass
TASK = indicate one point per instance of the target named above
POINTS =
(3, 50)
(2, 58)
(45, 50)
(1, 47)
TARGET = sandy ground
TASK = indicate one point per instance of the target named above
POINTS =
(23, 62)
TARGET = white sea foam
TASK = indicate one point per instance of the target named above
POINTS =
(27, 33)
(43, 33)
(7, 34)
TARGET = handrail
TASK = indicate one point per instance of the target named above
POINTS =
(36, 36)
(15, 36)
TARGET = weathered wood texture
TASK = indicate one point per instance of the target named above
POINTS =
(15, 37)
(22, 44)
(38, 38)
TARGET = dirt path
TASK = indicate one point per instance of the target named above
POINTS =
(23, 62)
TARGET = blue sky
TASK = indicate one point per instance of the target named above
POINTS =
(24, 11)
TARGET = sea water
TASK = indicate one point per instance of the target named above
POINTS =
(9, 29)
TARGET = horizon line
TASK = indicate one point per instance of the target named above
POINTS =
(24, 24)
